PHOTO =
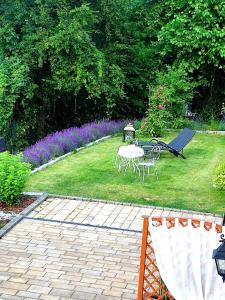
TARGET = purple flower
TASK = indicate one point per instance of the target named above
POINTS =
(61, 142)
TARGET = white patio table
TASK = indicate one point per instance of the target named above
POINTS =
(129, 156)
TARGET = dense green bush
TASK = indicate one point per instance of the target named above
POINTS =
(137, 124)
(13, 176)
(219, 180)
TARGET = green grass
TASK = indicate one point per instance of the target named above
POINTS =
(183, 184)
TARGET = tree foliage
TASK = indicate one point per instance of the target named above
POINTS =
(65, 62)
(193, 38)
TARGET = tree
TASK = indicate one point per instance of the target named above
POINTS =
(194, 39)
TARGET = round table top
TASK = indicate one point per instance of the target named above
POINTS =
(130, 151)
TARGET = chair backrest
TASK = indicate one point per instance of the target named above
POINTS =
(154, 154)
(182, 139)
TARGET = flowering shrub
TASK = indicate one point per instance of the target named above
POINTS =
(62, 142)
(167, 100)
(158, 114)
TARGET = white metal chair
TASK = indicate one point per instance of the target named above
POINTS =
(150, 162)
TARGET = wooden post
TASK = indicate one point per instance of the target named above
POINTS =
(223, 224)
(142, 257)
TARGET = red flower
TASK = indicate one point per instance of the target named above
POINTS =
(161, 106)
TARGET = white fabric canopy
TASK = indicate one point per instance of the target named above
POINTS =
(184, 258)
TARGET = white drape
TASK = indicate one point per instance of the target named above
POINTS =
(184, 258)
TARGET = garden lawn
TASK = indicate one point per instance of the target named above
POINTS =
(183, 184)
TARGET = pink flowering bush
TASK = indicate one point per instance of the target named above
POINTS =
(167, 100)
(158, 114)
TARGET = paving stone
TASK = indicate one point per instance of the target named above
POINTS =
(7, 291)
(15, 285)
(129, 296)
(61, 292)
(102, 297)
(49, 297)
(28, 295)
(11, 297)
(57, 261)
(83, 296)
(4, 277)
(39, 289)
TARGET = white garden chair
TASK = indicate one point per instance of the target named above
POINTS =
(150, 162)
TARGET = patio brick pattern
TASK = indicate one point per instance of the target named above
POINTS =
(43, 259)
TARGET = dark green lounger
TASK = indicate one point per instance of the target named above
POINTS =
(175, 146)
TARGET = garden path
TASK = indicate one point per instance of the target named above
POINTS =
(74, 249)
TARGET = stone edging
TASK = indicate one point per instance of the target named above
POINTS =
(53, 161)
(41, 198)
(194, 212)
(219, 132)
(212, 131)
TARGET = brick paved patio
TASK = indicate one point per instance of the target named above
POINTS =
(72, 249)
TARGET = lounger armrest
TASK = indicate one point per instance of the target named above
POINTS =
(154, 139)
(160, 143)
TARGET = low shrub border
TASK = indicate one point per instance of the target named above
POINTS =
(68, 140)
(41, 197)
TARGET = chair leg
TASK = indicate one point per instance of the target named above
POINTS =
(143, 175)
(139, 171)
(116, 162)
(119, 162)
(156, 173)
(126, 165)
(134, 166)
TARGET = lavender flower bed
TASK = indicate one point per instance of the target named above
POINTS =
(67, 140)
